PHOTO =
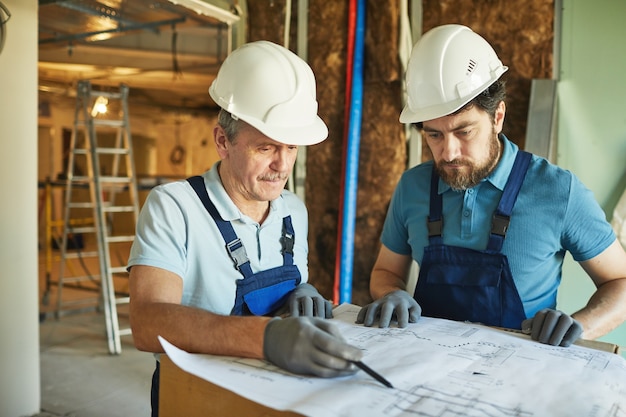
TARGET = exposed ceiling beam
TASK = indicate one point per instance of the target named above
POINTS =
(101, 10)
(91, 54)
(209, 9)
(171, 66)
(119, 29)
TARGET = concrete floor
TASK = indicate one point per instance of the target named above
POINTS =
(79, 378)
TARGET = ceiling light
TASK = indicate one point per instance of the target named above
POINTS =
(100, 106)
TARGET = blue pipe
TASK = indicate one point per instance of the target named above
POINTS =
(352, 160)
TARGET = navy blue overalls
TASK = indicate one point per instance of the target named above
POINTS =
(258, 294)
(470, 285)
(264, 292)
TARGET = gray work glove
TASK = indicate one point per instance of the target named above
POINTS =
(397, 304)
(553, 327)
(306, 301)
(309, 346)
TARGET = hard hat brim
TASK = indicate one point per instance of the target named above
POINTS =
(444, 109)
(434, 112)
(311, 134)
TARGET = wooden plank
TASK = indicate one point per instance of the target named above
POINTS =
(184, 394)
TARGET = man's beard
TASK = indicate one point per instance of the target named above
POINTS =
(460, 181)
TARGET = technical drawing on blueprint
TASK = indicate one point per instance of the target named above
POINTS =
(439, 368)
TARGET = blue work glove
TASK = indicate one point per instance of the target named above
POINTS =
(397, 305)
(553, 327)
(309, 346)
(306, 301)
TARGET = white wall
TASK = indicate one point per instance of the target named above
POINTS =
(19, 325)
(592, 118)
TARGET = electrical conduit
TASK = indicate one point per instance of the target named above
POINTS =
(346, 127)
(352, 160)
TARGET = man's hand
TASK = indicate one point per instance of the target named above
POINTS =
(553, 327)
(306, 301)
(310, 346)
(397, 304)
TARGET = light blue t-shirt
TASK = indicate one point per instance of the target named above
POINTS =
(176, 233)
(554, 213)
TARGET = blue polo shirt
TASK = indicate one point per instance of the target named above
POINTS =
(554, 213)
(176, 233)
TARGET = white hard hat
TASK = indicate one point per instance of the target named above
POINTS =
(449, 66)
(272, 89)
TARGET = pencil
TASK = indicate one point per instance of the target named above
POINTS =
(373, 374)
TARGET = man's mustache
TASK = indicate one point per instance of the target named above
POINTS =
(274, 177)
(454, 162)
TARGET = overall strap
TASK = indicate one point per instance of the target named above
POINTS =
(435, 216)
(502, 216)
(287, 241)
(234, 246)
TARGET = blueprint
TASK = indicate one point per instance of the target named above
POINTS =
(439, 368)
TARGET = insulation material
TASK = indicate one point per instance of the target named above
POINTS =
(522, 36)
(382, 155)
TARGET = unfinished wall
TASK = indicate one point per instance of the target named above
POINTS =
(382, 155)
(191, 130)
(382, 152)
(522, 36)
(167, 145)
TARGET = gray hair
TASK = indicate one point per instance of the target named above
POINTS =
(230, 124)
